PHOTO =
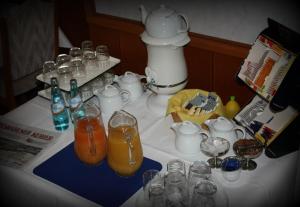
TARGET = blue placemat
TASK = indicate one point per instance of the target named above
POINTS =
(96, 183)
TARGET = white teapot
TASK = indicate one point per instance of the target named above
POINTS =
(111, 99)
(131, 82)
(188, 137)
(224, 128)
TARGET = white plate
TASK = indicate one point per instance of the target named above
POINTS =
(90, 75)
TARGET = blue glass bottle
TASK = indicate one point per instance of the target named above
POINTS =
(58, 107)
(75, 101)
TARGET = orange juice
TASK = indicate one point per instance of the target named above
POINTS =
(90, 140)
(118, 156)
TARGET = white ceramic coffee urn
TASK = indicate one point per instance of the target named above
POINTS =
(166, 32)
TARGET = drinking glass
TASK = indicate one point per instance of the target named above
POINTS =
(86, 92)
(102, 55)
(176, 184)
(176, 165)
(248, 149)
(87, 45)
(64, 68)
(215, 147)
(62, 60)
(198, 171)
(49, 70)
(97, 84)
(153, 186)
(204, 194)
(90, 60)
(76, 53)
(78, 68)
(108, 78)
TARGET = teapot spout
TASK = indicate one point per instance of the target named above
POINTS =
(175, 126)
(144, 13)
(116, 78)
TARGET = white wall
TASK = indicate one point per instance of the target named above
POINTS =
(237, 20)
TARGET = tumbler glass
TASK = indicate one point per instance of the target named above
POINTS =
(204, 194)
(78, 68)
(49, 70)
(86, 92)
(153, 186)
(90, 60)
(176, 189)
(87, 45)
(76, 53)
(102, 56)
(108, 78)
(64, 68)
(198, 171)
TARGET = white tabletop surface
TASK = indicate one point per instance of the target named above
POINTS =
(275, 182)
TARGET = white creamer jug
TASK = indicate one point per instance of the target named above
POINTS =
(188, 137)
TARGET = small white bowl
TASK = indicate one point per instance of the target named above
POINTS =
(231, 168)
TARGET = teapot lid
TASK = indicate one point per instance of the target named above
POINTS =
(165, 23)
(188, 127)
(110, 90)
(223, 124)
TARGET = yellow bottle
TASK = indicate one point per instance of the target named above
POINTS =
(232, 108)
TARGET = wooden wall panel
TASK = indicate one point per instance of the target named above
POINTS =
(133, 53)
(110, 37)
(107, 36)
(70, 17)
(200, 67)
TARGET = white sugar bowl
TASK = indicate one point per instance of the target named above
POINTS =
(131, 82)
(224, 128)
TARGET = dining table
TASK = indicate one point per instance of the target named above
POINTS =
(275, 181)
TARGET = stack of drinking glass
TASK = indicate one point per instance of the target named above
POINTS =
(178, 188)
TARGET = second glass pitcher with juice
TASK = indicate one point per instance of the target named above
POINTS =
(90, 143)
(125, 154)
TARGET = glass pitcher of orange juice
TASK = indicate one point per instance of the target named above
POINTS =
(90, 143)
(125, 154)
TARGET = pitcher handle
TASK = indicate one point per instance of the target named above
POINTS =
(241, 129)
(131, 156)
(206, 133)
(129, 73)
(125, 96)
(186, 23)
(91, 140)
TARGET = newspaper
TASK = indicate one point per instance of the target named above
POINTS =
(20, 144)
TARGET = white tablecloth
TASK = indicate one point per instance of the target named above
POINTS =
(275, 182)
